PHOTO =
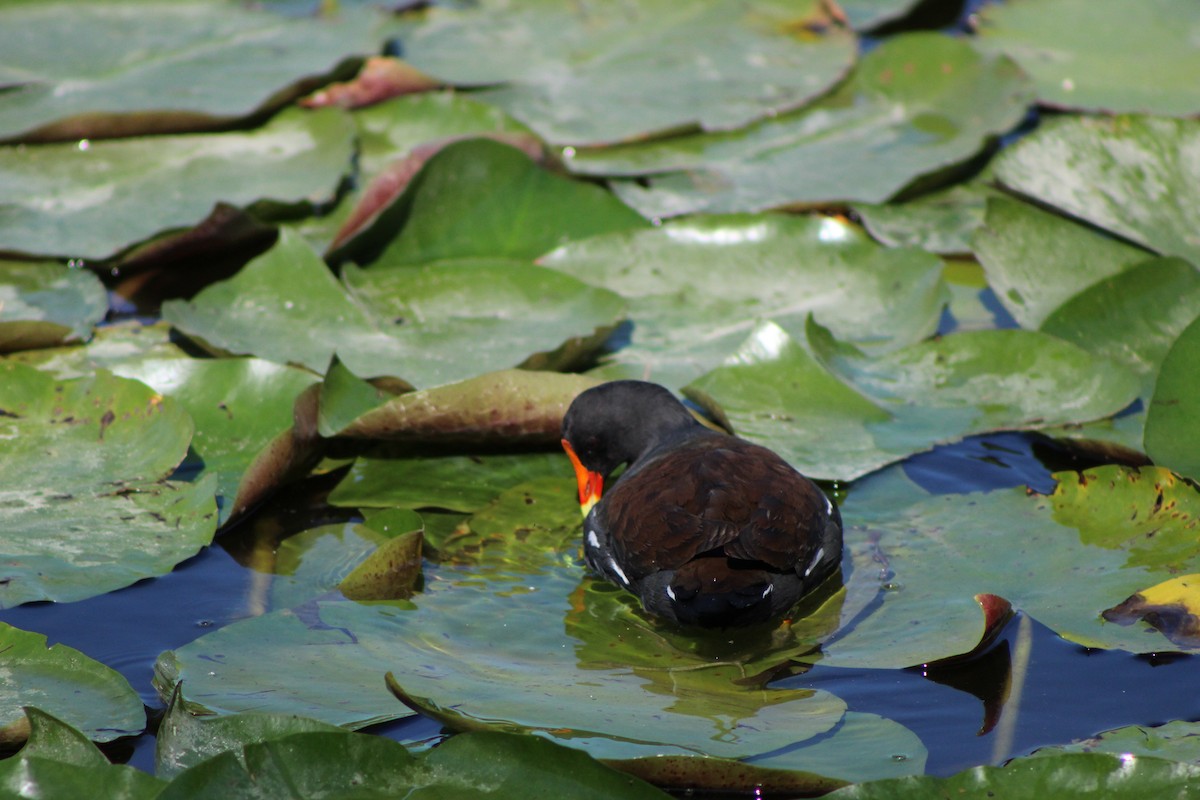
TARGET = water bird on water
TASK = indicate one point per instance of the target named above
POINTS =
(706, 528)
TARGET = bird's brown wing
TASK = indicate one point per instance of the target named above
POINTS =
(718, 492)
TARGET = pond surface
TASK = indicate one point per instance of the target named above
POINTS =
(965, 714)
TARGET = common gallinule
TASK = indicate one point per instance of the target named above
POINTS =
(706, 528)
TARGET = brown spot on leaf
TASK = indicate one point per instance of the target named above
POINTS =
(105, 421)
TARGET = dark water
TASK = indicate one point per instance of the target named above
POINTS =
(1069, 691)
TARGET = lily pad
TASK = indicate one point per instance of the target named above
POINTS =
(184, 741)
(866, 14)
(396, 138)
(863, 747)
(53, 739)
(917, 105)
(1171, 607)
(85, 506)
(95, 199)
(511, 407)
(1174, 412)
(415, 324)
(587, 668)
(483, 199)
(1132, 175)
(99, 69)
(1036, 261)
(473, 316)
(1077, 555)
(457, 482)
(1101, 56)
(1068, 776)
(941, 222)
(1175, 741)
(111, 346)
(578, 77)
(46, 304)
(323, 764)
(697, 287)
(64, 682)
(238, 405)
(1134, 317)
(836, 413)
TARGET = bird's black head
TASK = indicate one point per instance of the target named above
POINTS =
(618, 422)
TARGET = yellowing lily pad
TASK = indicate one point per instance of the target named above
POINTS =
(1171, 607)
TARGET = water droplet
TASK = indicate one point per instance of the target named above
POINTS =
(289, 305)
(899, 757)
(892, 586)
(83, 145)
(568, 152)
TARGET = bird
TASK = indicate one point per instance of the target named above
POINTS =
(708, 529)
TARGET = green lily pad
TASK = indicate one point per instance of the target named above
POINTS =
(941, 222)
(512, 407)
(238, 405)
(184, 741)
(1132, 175)
(393, 137)
(1133, 317)
(863, 747)
(476, 315)
(483, 199)
(97, 69)
(917, 105)
(1175, 741)
(288, 457)
(1069, 776)
(47, 304)
(697, 287)
(324, 764)
(836, 413)
(704, 774)
(416, 324)
(314, 562)
(1036, 261)
(111, 347)
(42, 777)
(53, 739)
(1098, 56)
(64, 682)
(1174, 413)
(577, 77)
(457, 483)
(85, 506)
(866, 14)
(587, 668)
(93, 201)
(60, 761)
(1078, 554)
(391, 572)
